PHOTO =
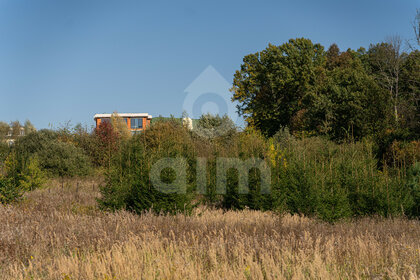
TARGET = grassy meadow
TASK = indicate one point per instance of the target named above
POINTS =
(58, 232)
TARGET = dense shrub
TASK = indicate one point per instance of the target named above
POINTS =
(83, 138)
(36, 156)
(4, 152)
(35, 142)
(55, 157)
(128, 182)
(31, 177)
(249, 145)
(209, 126)
(19, 176)
(413, 185)
(311, 176)
(318, 177)
(64, 160)
(9, 191)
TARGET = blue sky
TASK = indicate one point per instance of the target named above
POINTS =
(67, 60)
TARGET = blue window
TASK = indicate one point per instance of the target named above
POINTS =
(136, 123)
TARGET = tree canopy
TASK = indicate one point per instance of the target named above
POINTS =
(351, 94)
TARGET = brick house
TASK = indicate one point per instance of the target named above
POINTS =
(136, 122)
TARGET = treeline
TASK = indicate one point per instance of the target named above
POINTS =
(309, 175)
(343, 95)
(312, 176)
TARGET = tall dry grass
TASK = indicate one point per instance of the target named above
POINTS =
(58, 233)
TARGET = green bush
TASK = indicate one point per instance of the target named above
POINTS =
(32, 177)
(55, 157)
(413, 185)
(128, 183)
(214, 126)
(249, 145)
(64, 160)
(4, 151)
(317, 177)
(35, 156)
(19, 177)
(9, 191)
(84, 139)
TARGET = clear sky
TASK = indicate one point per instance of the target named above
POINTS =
(67, 60)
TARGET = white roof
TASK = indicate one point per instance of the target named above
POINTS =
(124, 115)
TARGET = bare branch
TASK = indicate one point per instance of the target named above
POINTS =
(416, 27)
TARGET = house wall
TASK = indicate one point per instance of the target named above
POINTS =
(146, 123)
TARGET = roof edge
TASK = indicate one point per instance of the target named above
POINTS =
(123, 115)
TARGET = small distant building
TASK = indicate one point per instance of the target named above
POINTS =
(12, 135)
(136, 122)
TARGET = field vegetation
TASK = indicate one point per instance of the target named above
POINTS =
(59, 233)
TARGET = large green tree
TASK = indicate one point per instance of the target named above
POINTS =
(410, 90)
(272, 86)
(351, 105)
(301, 86)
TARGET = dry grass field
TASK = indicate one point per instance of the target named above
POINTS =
(58, 233)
